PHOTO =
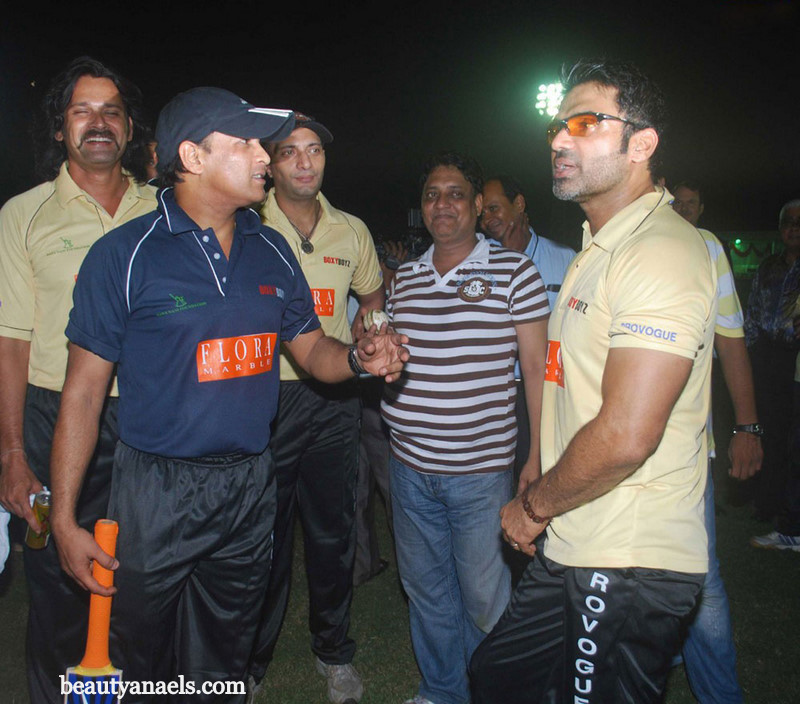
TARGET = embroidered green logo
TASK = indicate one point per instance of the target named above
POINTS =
(67, 246)
(180, 306)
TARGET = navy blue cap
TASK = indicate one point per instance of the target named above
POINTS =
(196, 113)
(301, 120)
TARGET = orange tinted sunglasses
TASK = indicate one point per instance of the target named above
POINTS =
(582, 124)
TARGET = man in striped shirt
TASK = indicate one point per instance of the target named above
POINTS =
(468, 307)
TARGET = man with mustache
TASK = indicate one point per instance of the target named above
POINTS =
(90, 152)
(192, 302)
(597, 615)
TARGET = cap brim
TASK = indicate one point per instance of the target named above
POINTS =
(260, 123)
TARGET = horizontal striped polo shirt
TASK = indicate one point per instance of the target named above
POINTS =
(452, 411)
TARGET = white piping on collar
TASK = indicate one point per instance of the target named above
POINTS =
(130, 263)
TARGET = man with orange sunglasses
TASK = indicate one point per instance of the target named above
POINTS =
(597, 615)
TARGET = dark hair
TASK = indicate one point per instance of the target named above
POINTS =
(171, 173)
(470, 168)
(50, 153)
(692, 186)
(511, 187)
(639, 99)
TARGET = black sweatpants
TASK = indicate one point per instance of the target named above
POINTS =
(584, 636)
(194, 551)
(315, 442)
(59, 608)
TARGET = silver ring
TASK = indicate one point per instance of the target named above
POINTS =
(514, 544)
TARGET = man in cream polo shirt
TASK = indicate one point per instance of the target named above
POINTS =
(598, 614)
(316, 435)
(91, 154)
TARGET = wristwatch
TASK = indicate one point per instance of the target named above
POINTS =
(753, 428)
(353, 361)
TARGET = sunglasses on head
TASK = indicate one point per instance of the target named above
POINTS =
(582, 124)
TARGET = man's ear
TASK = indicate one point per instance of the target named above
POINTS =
(642, 145)
(519, 203)
(479, 203)
(189, 152)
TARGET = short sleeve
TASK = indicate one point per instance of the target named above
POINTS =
(367, 276)
(730, 319)
(99, 315)
(527, 299)
(17, 291)
(662, 293)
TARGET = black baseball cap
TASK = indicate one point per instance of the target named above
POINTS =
(301, 120)
(196, 113)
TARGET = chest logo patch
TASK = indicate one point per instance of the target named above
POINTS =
(179, 305)
(475, 289)
(324, 299)
(553, 368)
(231, 357)
(578, 305)
(268, 290)
(336, 260)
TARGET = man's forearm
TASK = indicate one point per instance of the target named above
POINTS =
(744, 450)
(17, 481)
(625, 432)
(327, 361)
(14, 356)
(76, 430)
(373, 301)
(367, 302)
(598, 459)
(532, 339)
(73, 445)
(738, 375)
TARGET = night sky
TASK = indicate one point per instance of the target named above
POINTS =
(397, 81)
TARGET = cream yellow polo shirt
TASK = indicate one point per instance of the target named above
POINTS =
(644, 280)
(44, 235)
(344, 258)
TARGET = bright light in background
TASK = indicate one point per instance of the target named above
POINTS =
(549, 98)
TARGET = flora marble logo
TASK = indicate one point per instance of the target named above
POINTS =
(231, 357)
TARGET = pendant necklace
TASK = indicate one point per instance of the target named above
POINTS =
(306, 245)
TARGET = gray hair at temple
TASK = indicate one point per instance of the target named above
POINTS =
(787, 206)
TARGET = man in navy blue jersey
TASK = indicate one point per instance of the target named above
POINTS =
(191, 302)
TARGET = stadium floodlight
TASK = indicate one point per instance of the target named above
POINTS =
(549, 98)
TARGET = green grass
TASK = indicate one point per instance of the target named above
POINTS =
(762, 586)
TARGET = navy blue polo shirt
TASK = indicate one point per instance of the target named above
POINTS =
(195, 334)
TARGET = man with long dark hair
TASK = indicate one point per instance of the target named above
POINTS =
(89, 152)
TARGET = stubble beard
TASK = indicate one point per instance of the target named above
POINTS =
(595, 177)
